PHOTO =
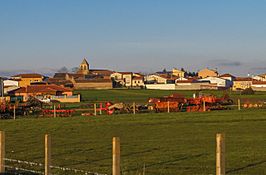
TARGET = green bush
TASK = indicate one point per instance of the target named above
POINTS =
(248, 91)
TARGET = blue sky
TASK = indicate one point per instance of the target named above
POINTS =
(134, 35)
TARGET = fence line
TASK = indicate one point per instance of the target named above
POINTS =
(51, 166)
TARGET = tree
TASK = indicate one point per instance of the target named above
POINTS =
(74, 69)
(63, 70)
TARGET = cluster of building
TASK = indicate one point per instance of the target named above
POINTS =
(60, 87)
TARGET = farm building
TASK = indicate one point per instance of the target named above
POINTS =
(220, 82)
(45, 92)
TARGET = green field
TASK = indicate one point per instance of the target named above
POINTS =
(176, 143)
(166, 144)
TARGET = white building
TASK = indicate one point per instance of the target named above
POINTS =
(220, 82)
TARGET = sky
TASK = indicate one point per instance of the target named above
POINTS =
(134, 35)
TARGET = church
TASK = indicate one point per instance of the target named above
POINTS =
(84, 67)
(84, 78)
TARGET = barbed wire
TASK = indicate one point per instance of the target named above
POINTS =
(23, 169)
(53, 167)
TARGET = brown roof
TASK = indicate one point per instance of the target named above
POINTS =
(101, 71)
(42, 88)
(185, 81)
(32, 75)
(258, 82)
(125, 72)
(226, 75)
(243, 79)
(137, 78)
(94, 81)
(63, 75)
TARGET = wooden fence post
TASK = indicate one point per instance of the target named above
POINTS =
(116, 156)
(239, 104)
(134, 108)
(47, 155)
(54, 111)
(168, 106)
(101, 106)
(95, 109)
(204, 106)
(14, 111)
(220, 154)
(2, 152)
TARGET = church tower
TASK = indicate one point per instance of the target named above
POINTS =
(84, 67)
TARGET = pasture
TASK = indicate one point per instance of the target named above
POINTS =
(167, 144)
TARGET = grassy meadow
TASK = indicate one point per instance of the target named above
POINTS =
(165, 144)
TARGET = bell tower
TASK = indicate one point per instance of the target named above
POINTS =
(84, 67)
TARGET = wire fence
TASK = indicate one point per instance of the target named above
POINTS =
(34, 165)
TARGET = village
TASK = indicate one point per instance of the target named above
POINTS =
(61, 86)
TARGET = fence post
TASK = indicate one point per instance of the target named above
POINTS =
(95, 109)
(2, 152)
(134, 108)
(116, 156)
(239, 104)
(47, 155)
(101, 106)
(220, 154)
(204, 106)
(54, 112)
(14, 111)
(168, 106)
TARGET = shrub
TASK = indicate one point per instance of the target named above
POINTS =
(248, 91)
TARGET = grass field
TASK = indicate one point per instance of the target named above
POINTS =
(168, 144)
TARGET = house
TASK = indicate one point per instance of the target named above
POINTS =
(127, 79)
(138, 82)
(261, 77)
(104, 73)
(160, 79)
(155, 79)
(46, 92)
(258, 85)
(10, 85)
(219, 82)
(228, 77)
(241, 83)
(25, 80)
(204, 73)
(178, 73)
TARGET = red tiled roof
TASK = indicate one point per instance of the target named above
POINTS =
(226, 75)
(137, 78)
(42, 88)
(185, 81)
(32, 75)
(243, 79)
(258, 82)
